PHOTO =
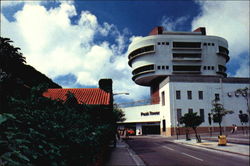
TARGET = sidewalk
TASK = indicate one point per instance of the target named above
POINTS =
(237, 144)
(122, 155)
(230, 147)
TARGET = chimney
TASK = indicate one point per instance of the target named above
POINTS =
(106, 85)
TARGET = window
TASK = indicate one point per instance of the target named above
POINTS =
(178, 115)
(204, 44)
(163, 43)
(158, 67)
(163, 98)
(145, 49)
(186, 55)
(222, 68)
(202, 115)
(189, 94)
(143, 69)
(205, 67)
(223, 50)
(163, 67)
(187, 44)
(167, 43)
(212, 44)
(217, 96)
(178, 94)
(208, 44)
(208, 67)
(190, 110)
(212, 67)
(200, 93)
(159, 43)
(186, 68)
(167, 67)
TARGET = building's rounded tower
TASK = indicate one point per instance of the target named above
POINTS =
(163, 54)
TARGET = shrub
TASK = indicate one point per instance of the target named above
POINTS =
(40, 131)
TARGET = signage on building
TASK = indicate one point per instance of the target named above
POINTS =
(149, 113)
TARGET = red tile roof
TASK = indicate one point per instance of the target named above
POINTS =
(83, 95)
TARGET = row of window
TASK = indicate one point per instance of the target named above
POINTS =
(151, 48)
(178, 68)
(208, 44)
(163, 43)
(163, 67)
(190, 96)
(184, 44)
(190, 110)
(208, 67)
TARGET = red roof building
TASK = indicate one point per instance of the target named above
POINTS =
(93, 96)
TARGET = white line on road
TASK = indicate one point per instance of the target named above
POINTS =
(168, 148)
(192, 156)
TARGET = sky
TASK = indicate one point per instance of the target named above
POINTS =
(76, 43)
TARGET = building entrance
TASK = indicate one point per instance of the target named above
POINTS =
(150, 129)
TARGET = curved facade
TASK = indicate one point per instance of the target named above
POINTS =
(174, 53)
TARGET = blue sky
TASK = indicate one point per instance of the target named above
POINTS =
(78, 42)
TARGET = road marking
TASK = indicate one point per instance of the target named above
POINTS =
(192, 156)
(168, 148)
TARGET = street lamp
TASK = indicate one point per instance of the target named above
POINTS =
(121, 93)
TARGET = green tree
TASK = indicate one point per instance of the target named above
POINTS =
(12, 62)
(10, 57)
(218, 112)
(119, 114)
(192, 120)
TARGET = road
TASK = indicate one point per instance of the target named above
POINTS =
(158, 151)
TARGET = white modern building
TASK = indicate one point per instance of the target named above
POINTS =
(185, 72)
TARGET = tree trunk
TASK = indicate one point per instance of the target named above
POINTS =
(198, 139)
(187, 134)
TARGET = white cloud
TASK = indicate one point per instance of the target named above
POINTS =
(170, 24)
(244, 69)
(230, 20)
(5, 4)
(55, 46)
(13, 3)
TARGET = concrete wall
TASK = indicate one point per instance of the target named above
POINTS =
(142, 114)
(162, 55)
(209, 89)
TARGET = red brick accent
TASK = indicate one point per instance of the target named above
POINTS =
(156, 31)
(201, 29)
(154, 91)
(182, 130)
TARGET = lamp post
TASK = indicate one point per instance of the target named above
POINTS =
(116, 132)
(210, 122)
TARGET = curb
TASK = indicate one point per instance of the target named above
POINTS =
(229, 141)
(214, 149)
(134, 156)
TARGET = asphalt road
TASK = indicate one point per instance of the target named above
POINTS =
(158, 151)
